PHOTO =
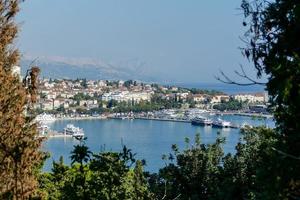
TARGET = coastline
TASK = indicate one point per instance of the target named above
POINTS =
(81, 118)
(57, 134)
(258, 115)
(245, 114)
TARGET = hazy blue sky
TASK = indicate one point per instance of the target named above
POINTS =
(183, 40)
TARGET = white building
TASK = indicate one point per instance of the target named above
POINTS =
(219, 98)
(251, 98)
(127, 96)
(199, 98)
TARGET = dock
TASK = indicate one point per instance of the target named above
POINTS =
(52, 133)
(153, 118)
(171, 120)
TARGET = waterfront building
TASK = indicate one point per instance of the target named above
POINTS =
(127, 96)
(199, 98)
(183, 96)
(251, 98)
(219, 99)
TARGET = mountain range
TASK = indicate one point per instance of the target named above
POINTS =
(72, 68)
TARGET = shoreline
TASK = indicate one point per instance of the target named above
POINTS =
(80, 118)
(57, 134)
(245, 114)
(166, 119)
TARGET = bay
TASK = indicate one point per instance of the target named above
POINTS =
(149, 139)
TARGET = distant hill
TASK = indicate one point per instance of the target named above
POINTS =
(59, 67)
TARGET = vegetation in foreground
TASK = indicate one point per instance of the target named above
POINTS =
(266, 164)
(198, 172)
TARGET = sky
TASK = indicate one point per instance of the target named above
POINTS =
(183, 41)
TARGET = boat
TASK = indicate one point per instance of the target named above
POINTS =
(201, 121)
(43, 129)
(219, 123)
(128, 117)
(45, 118)
(74, 131)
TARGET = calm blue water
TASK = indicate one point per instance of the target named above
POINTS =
(149, 139)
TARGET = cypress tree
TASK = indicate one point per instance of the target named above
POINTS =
(20, 151)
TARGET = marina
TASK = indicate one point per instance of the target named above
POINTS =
(195, 117)
(69, 131)
(151, 138)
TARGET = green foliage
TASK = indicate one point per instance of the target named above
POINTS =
(156, 103)
(195, 175)
(106, 175)
(128, 83)
(274, 49)
(208, 92)
(112, 103)
(203, 172)
(83, 83)
(81, 96)
(239, 174)
(230, 105)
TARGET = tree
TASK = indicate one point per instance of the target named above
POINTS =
(240, 173)
(195, 175)
(273, 44)
(51, 184)
(81, 155)
(140, 183)
(20, 151)
(230, 105)
(83, 83)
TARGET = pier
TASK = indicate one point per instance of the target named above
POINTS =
(53, 133)
(169, 120)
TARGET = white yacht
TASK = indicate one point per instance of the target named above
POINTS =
(45, 118)
(201, 121)
(70, 129)
(43, 129)
(221, 123)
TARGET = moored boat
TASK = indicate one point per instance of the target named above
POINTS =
(74, 131)
(42, 129)
(219, 123)
(201, 121)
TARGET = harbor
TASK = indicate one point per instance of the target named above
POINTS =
(206, 117)
(43, 122)
(177, 120)
(195, 117)
(151, 137)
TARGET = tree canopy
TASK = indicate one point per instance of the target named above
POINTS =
(273, 44)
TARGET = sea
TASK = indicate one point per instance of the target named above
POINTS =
(148, 139)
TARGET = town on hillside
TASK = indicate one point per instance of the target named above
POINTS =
(83, 98)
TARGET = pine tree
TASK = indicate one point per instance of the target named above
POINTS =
(20, 153)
